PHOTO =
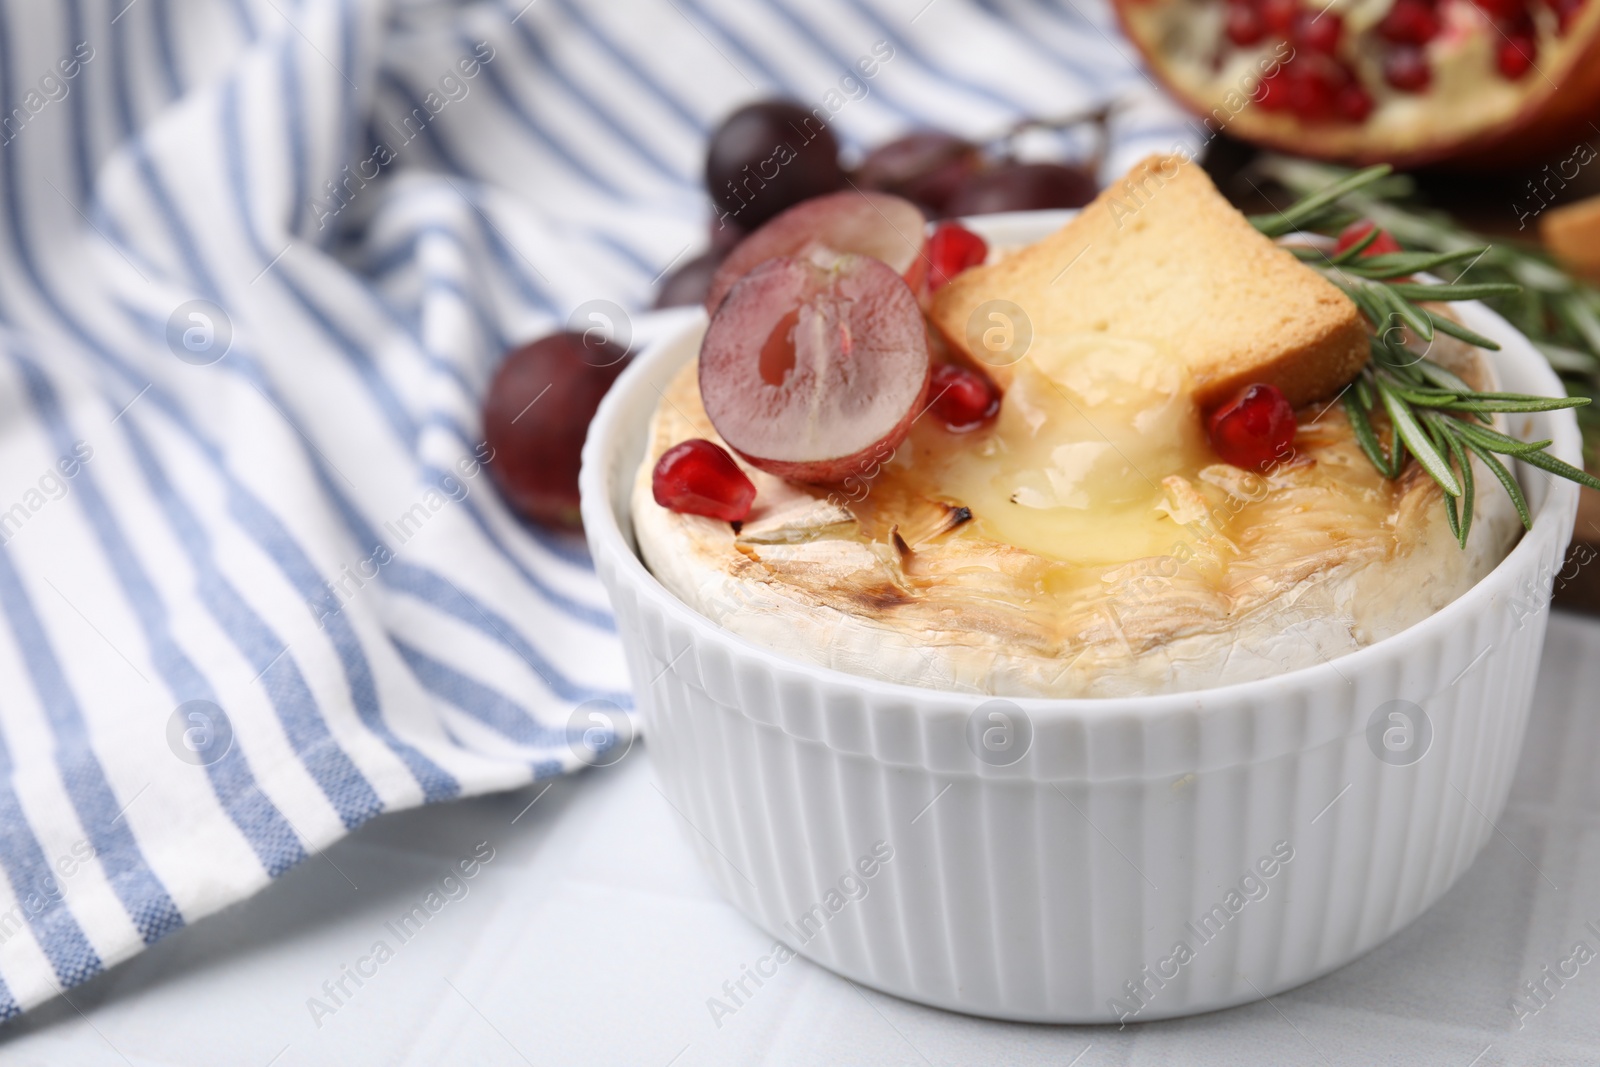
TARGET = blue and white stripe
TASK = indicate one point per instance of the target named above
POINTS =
(212, 512)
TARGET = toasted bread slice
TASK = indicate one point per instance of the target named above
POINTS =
(1572, 235)
(1161, 257)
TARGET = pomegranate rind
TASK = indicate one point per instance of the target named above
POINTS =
(1555, 112)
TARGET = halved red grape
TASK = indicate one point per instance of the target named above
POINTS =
(536, 416)
(812, 372)
(696, 477)
(870, 224)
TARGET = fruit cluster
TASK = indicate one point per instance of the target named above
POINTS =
(770, 155)
(1322, 81)
(866, 243)
(817, 359)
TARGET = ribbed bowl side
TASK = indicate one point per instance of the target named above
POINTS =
(1064, 898)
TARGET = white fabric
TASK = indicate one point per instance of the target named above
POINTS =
(255, 595)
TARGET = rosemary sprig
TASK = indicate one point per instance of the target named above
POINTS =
(1433, 415)
(1560, 314)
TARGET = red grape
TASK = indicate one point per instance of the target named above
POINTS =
(767, 157)
(1022, 187)
(814, 373)
(1254, 429)
(690, 282)
(697, 477)
(535, 418)
(725, 235)
(963, 399)
(924, 166)
(871, 224)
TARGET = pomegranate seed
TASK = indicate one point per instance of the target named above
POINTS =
(1502, 9)
(1353, 233)
(1309, 98)
(1254, 429)
(1406, 70)
(1320, 32)
(1567, 12)
(1518, 24)
(1515, 56)
(1244, 26)
(1274, 92)
(1314, 84)
(1278, 15)
(963, 399)
(1355, 103)
(1410, 22)
(697, 477)
(951, 250)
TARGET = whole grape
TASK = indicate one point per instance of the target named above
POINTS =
(1022, 187)
(924, 166)
(689, 282)
(536, 416)
(768, 156)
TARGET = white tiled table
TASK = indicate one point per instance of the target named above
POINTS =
(593, 938)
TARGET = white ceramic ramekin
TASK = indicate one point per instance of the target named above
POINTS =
(1144, 857)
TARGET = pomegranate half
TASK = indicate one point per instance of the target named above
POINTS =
(1410, 82)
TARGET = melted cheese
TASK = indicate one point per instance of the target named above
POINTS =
(1107, 551)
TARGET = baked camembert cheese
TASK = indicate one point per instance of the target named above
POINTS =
(1088, 541)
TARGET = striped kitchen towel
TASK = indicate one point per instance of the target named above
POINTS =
(258, 259)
